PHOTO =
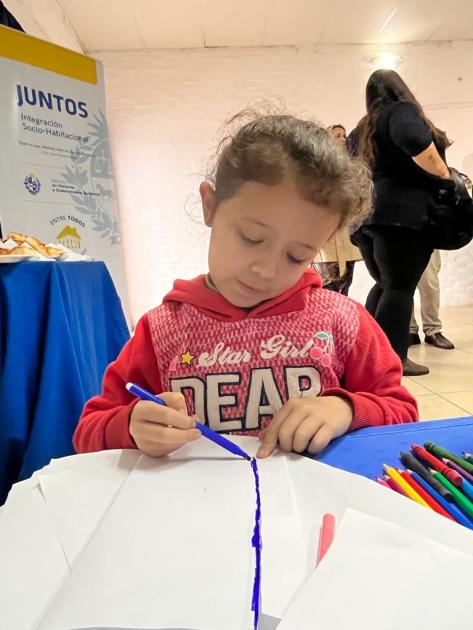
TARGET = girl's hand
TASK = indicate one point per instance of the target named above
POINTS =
(306, 424)
(159, 430)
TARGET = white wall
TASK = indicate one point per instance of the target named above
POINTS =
(166, 106)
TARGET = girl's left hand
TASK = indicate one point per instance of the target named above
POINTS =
(306, 424)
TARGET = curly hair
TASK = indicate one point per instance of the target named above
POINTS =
(271, 148)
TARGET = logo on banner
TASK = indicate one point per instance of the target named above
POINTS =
(69, 237)
(89, 172)
(32, 184)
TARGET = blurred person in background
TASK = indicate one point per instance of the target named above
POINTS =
(336, 261)
(429, 292)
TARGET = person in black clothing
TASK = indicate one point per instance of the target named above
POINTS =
(353, 138)
(406, 153)
(7, 19)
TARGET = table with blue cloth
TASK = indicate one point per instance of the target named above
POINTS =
(61, 325)
(365, 451)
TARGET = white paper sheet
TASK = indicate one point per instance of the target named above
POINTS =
(384, 576)
(32, 563)
(120, 573)
(284, 552)
(93, 480)
(287, 560)
(162, 557)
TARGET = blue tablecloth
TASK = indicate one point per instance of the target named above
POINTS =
(60, 326)
(365, 451)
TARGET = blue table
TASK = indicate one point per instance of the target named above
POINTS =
(365, 451)
(60, 326)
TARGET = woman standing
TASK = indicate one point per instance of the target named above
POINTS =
(336, 259)
(404, 150)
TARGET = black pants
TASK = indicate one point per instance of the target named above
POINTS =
(396, 258)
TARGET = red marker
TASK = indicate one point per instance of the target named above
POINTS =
(425, 495)
(452, 475)
(464, 473)
(327, 532)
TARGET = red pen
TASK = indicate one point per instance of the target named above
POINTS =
(327, 532)
(436, 463)
(425, 495)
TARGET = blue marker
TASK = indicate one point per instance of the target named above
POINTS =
(448, 507)
(467, 488)
(206, 431)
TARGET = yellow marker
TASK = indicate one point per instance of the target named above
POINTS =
(407, 488)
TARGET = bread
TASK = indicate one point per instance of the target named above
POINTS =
(54, 251)
(16, 251)
(20, 251)
(35, 244)
(17, 237)
(38, 245)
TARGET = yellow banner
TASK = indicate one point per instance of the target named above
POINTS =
(36, 52)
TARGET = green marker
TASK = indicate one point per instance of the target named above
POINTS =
(440, 452)
(468, 457)
(460, 498)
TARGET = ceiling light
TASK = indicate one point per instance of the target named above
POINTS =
(388, 61)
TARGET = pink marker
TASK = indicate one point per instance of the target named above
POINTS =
(327, 532)
(394, 486)
(383, 482)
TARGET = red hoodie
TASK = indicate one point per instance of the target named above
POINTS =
(236, 367)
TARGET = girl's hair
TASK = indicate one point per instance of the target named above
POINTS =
(383, 88)
(270, 148)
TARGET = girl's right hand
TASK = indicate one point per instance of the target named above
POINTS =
(159, 430)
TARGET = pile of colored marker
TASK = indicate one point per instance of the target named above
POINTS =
(437, 479)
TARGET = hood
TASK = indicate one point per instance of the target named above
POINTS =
(196, 293)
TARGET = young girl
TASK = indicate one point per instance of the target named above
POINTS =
(256, 346)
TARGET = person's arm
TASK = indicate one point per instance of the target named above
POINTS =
(372, 381)
(371, 395)
(410, 133)
(429, 160)
(104, 423)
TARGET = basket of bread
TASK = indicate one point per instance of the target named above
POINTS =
(24, 247)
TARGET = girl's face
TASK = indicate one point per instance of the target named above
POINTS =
(262, 239)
